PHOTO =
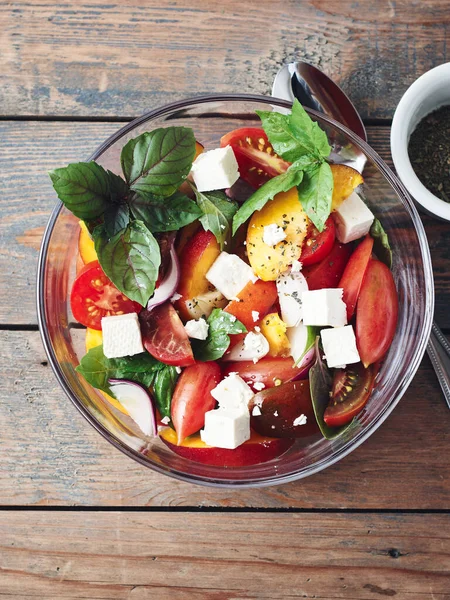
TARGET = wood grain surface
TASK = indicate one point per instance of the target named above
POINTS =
(126, 556)
(51, 456)
(117, 59)
(28, 150)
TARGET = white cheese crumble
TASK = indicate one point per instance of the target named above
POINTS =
(255, 315)
(258, 386)
(197, 329)
(301, 420)
(256, 412)
(273, 234)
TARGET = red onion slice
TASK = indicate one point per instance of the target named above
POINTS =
(169, 284)
(138, 403)
(305, 364)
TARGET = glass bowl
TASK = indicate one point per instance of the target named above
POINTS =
(211, 117)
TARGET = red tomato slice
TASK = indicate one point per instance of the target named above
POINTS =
(318, 244)
(351, 390)
(376, 313)
(259, 297)
(269, 371)
(352, 277)
(254, 154)
(95, 296)
(328, 272)
(164, 336)
(192, 398)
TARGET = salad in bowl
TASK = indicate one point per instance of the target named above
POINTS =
(238, 299)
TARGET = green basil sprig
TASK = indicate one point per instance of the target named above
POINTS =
(221, 325)
(299, 140)
(217, 214)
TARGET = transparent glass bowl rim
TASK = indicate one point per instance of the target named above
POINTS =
(392, 402)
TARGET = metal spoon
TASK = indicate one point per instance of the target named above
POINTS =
(316, 90)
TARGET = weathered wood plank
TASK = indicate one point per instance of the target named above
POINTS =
(119, 59)
(220, 556)
(28, 150)
(50, 455)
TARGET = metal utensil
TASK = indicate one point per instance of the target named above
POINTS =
(316, 90)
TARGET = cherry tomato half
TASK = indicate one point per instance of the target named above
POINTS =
(95, 296)
(254, 154)
(164, 336)
(192, 398)
(351, 390)
(328, 272)
(376, 313)
(318, 245)
(353, 275)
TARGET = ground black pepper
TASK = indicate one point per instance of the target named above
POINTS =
(429, 152)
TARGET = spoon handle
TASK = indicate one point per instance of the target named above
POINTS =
(438, 350)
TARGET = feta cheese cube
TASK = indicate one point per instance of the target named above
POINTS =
(226, 428)
(121, 336)
(324, 307)
(232, 393)
(339, 345)
(273, 234)
(215, 170)
(290, 286)
(353, 219)
(253, 347)
(197, 329)
(230, 274)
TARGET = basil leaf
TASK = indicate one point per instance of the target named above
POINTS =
(131, 259)
(295, 135)
(315, 193)
(163, 387)
(158, 161)
(84, 188)
(281, 183)
(164, 214)
(118, 188)
(116, 217)
(221, 325)
(218, 213)
(320, 382)
(381, 245)
(97, 369)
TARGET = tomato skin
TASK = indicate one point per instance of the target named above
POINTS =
(351, 390)
(376, 313)
(164, 336)
(259, 296)
(192, 398)
(92, 288)
(318, 245)
(255, 156)
(353, 275)
(268, 371)
(328, 272)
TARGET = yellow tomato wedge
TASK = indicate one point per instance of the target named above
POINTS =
(346, 180)
(86, 246)
(274, 330)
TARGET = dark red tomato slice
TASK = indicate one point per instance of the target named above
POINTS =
(95, 296)
(318, 244)
(269, 371)
(351, 390)
(328, 272)
(254, 154)
(376, 313)
(192, 398)
(282, 409)
(164, 336)
(353, 275)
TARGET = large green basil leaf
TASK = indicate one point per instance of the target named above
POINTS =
(221, 325)
(131, 259)
(163, 387)
(282, 183)
(164, 214)
(218, 212)
(315, 193)
(381, 246)
(158, 161)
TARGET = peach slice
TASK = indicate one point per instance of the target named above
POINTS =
(346, 180)
(86, 246)
(285, 211)
(256, 450)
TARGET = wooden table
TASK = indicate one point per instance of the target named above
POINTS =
(79, 519)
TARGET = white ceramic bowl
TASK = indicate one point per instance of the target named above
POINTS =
(429, 92)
